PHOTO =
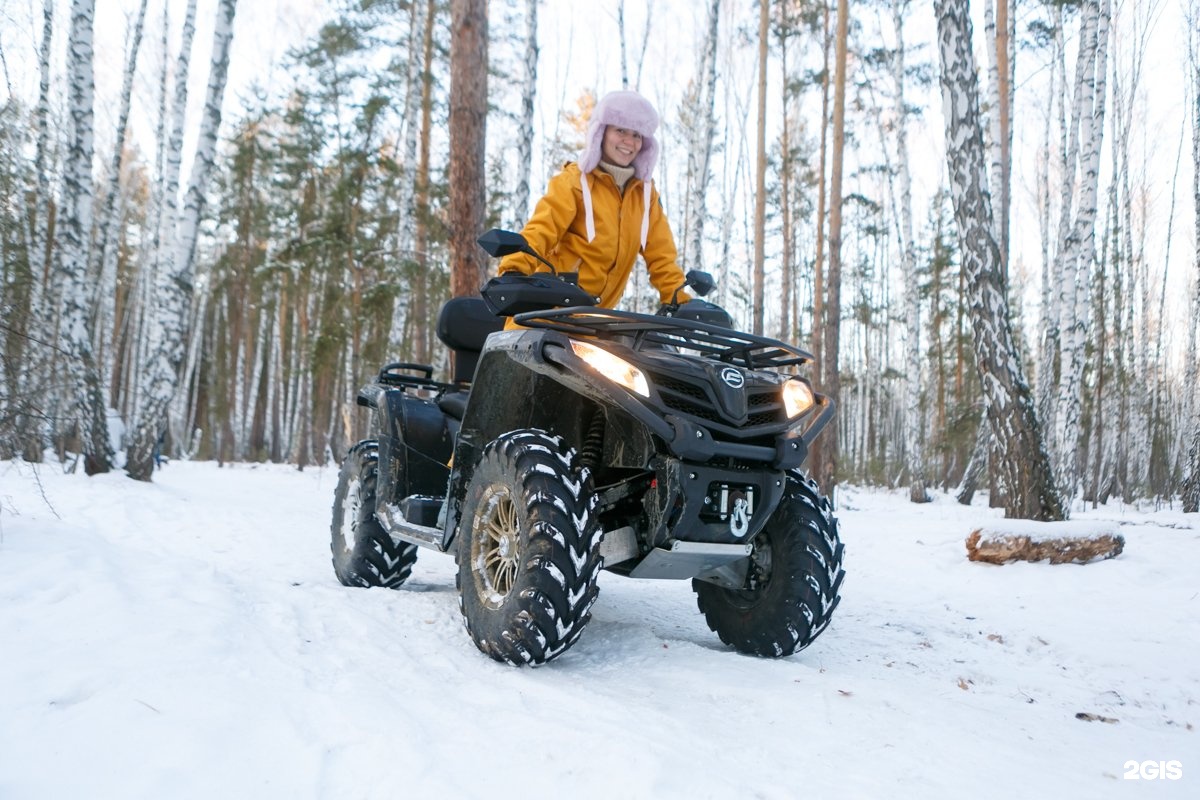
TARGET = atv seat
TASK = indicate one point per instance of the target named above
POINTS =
(463, 325)
(454, 403)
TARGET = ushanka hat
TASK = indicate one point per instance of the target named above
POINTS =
(624, 110)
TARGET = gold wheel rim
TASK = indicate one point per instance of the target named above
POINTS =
(496, 546)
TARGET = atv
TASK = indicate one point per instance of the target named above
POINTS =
(651, 445)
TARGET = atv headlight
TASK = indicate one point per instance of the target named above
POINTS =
(616, 369)
(797, 397)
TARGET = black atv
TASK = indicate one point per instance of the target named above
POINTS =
(653, 446)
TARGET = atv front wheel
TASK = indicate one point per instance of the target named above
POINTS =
(792, 585)
(528, 549)
(363, 553)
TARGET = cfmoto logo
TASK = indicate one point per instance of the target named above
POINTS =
(733, 378)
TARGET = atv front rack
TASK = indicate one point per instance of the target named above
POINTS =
(650, 331)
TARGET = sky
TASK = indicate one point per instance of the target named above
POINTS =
(187, 638)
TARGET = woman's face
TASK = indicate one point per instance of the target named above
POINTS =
(620, 145)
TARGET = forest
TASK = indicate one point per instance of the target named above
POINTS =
(951, 204)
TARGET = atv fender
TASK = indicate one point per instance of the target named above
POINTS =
(416, 439)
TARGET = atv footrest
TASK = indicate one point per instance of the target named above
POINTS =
(421, 510)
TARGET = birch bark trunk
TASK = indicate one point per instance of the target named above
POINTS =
(1191, 484)
(1080, 249)
(110, 220)
(168, 333)
(760, 184)
(32, 430)
(1024, 467)
(700, 148)
(912, 300)
(528, 95)
(75, 231)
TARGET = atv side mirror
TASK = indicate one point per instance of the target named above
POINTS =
(700, 282)
(497, 243)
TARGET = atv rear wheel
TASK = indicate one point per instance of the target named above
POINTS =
(363, 553)
(528, 549)
(792, 585)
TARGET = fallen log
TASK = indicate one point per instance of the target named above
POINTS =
(1067, 542)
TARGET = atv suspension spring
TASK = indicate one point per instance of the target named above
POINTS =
(593, 443)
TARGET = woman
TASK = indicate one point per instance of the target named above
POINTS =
(598, 214)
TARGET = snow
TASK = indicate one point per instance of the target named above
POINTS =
(187, 639)
(994, 530)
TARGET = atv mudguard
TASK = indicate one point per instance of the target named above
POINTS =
(416, 439)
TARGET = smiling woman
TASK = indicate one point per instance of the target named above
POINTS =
(601, 212)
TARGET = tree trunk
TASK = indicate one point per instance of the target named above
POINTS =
(912, 289)
(31, 429)
(828, 470)
(110, 221)
(1000, 50)
(1080, 246)
(760, 185)
(621, 37)
(169, 327)
(528, 95)
(1027, 480)
(787, 303)
(977, 465)
(818, 452)
(75, 247)
(701, 143)
(420, 294)
(468, 127)
(1191, 484)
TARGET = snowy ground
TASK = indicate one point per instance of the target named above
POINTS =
(187, 639)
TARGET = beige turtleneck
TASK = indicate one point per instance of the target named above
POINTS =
(620, 174)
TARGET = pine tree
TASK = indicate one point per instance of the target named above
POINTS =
(468, 124)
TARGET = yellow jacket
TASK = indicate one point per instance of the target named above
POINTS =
(558, 230)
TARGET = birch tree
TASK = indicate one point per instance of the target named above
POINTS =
(28, 374)
(175, 281)
(701, 114)
(83, 371)
(1077, 247)
(528, 95)
(908, 257)
(1024, 466)
(107, 228)
(760, 186)
(1191, 485)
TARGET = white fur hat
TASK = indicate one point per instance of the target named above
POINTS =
(625, 110)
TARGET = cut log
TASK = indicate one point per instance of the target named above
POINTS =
(1070, 542)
